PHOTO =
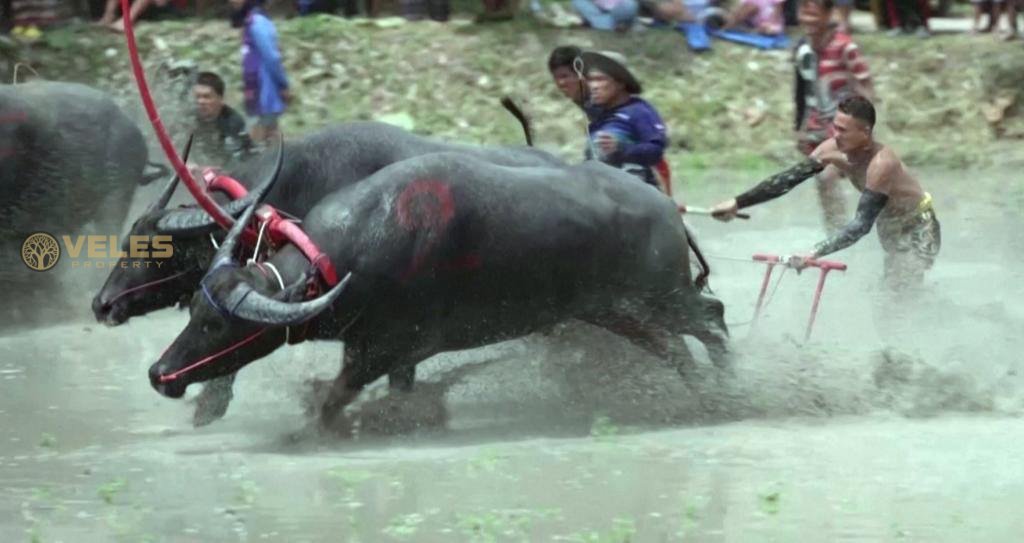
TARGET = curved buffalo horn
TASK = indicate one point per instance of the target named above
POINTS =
(165, 196)
(227, 249)
(192, 220)
(245, 303)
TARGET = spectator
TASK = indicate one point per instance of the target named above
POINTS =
(220, 136)
(845, 8)
(618, 15)
(139, 7)
(264, 81)
(761, 16)
(29, 16)
(828, 68)
(627, 132)
(562, 66)
(1009, 7)
(679, 11)
(981, 7)
(498, 10)
(908, 16)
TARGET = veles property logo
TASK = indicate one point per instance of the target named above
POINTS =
(41, 251)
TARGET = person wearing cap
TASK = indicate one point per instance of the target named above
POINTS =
(627, 132)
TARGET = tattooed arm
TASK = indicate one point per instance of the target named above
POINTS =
(880, 174)
(780, 183)
(826, 155)
(870, 206)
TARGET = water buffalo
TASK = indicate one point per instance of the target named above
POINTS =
(68, 157)
(447, 252)
(314, 167)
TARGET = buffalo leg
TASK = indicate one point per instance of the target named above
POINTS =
(402, 379)
(711, 330)
(212, 402)
(651, 337)
(361, 367)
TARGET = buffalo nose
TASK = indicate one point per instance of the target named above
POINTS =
(100, 309)
(172, 388)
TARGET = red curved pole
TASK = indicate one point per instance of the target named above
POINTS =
(201, 196)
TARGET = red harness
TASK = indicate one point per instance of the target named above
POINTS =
(279, 229)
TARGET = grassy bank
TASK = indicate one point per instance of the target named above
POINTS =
(729, 109)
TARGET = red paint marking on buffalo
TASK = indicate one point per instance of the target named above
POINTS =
(425, 204)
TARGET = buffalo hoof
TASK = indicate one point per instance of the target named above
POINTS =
(211, 405)
(405, 412)
(317, 391)
(328, 412)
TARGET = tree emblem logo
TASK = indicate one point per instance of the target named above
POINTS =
(40, 251)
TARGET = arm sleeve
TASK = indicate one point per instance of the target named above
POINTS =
(800, 100)
(265, 41)
(780, 183)
(651, 142)
(870, 205)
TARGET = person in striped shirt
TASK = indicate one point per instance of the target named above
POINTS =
(828, 68)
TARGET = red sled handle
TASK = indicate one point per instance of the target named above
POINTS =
(774, 260)
(827, 265)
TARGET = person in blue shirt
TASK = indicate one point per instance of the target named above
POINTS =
(628, 132)
(264, 82)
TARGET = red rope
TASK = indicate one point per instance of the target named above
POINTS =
(145, 285)
(197, 191)
(211, 358)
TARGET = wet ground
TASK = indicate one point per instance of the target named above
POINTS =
(574, 436)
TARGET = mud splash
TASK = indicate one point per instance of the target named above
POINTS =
(573, 436)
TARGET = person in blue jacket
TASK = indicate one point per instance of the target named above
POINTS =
(628, 133)
(264, 82)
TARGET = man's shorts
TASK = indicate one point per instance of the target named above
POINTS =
(912, 240)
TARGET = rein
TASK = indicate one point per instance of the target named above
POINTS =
(212, 357)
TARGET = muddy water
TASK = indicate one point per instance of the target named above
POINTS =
(574, 436)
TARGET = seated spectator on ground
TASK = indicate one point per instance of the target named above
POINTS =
(616, 15)
(627, 132)
(152, 8)
(29, 16)
(761, 16)
(220, 134)
(682, 11)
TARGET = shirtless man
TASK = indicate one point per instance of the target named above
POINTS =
(890, 196)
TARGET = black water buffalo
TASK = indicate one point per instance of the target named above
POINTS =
(314, 167)
(447, 252)
(68, 156)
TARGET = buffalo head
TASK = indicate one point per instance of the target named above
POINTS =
(137, 286)
(238, 315)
